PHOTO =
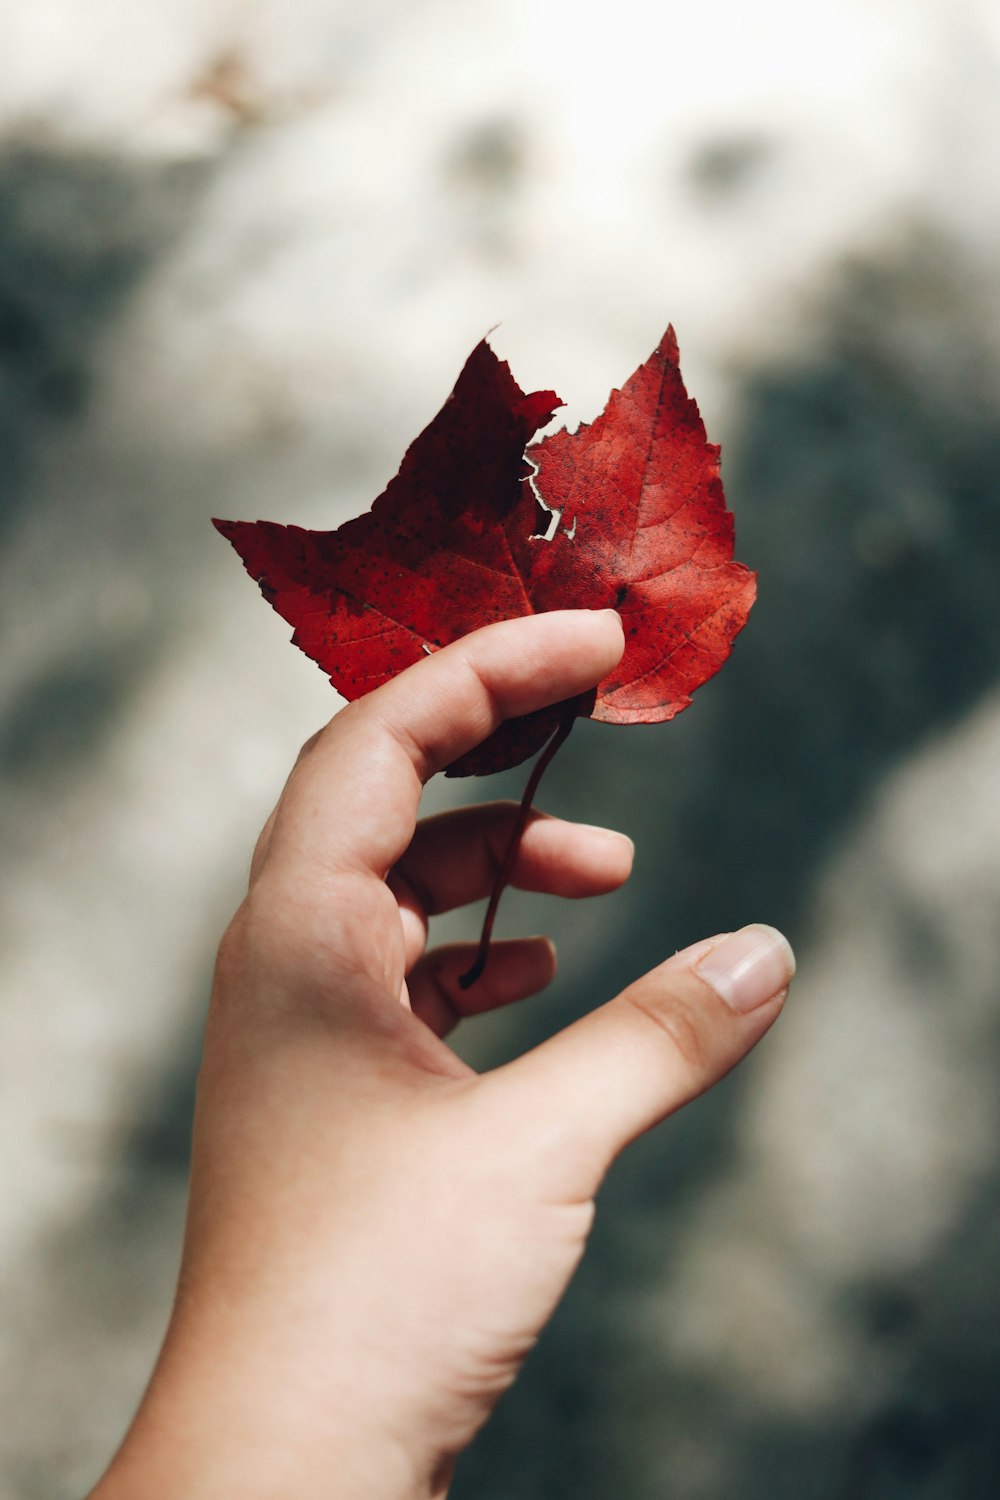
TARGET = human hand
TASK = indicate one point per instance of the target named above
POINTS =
(376, 1235)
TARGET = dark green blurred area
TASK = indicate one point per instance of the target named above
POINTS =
(862, 461)
(866, 488)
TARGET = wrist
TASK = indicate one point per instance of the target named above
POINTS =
(211, 1427)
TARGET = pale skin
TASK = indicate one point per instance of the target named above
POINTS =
(376, 1234)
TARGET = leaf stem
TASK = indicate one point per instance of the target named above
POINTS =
(514, 844)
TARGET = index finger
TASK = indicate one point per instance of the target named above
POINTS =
(351, 801)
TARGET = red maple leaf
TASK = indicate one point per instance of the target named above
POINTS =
(628, 511)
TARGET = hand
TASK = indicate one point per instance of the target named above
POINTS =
(376, 1234)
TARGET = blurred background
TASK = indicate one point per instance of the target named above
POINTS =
(244, 251)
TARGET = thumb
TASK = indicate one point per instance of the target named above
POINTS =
(584, 1094)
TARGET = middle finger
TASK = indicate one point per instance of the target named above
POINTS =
(454, 857)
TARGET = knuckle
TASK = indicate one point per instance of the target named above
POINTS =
(252, 938)
(260, 850)
(237, 949)
(308, 747)
(231, 963)
(229, 954)
(257, 961)
(680, 1021)
(481, 672)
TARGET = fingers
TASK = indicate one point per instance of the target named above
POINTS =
(517, 968)
(351, 800)
(454, 858)
(594, 1087)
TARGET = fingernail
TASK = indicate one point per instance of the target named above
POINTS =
(749, 967)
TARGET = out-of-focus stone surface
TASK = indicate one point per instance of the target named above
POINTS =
(243, 253)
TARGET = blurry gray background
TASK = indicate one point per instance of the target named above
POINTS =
(244, 250)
